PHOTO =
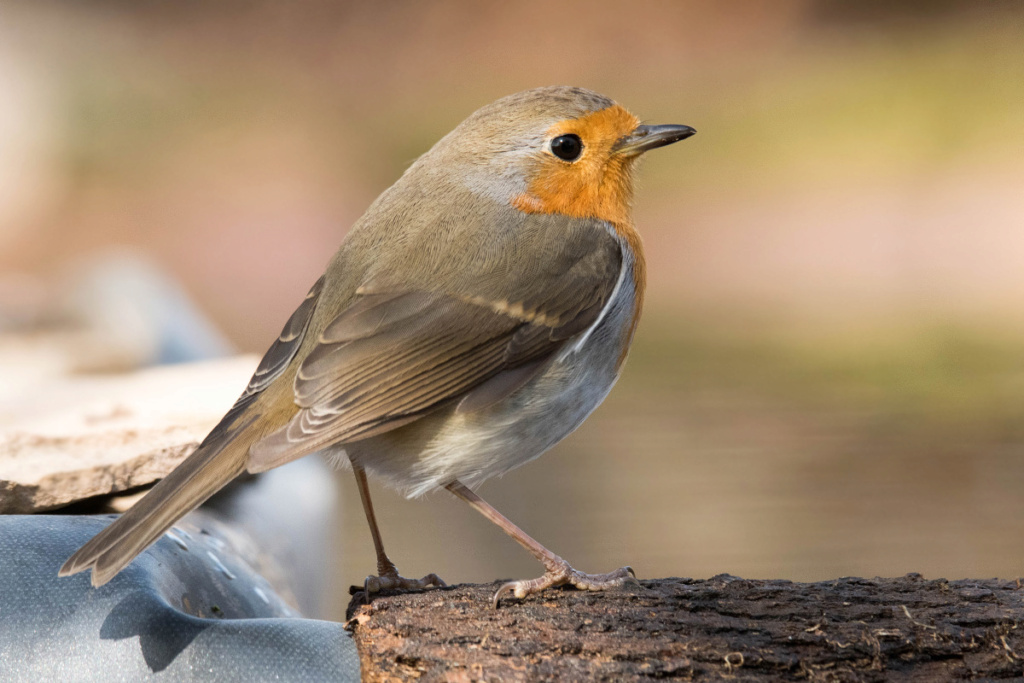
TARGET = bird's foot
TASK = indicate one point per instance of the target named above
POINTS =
(560, 574)
(391, 581)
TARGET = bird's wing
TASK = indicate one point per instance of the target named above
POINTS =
(283, 350)
(393, 356)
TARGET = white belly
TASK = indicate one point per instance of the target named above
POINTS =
(474, 446)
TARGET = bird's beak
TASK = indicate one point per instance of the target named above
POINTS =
(644, 138)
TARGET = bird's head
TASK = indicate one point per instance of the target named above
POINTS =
(552, 150)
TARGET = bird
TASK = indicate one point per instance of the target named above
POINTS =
(472, 318)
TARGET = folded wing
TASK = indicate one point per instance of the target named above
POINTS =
(392, 357)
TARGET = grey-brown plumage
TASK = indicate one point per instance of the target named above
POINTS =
(455, 334)
(401, 348)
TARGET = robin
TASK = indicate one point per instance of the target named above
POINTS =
(474, 316)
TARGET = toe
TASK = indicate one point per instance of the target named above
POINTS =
(432, 580)
(394, 582)
(373, 584)
(562, 574)
(600, 582)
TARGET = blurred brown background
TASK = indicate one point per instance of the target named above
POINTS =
(829, 377)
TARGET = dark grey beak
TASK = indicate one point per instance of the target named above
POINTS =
(645, 138)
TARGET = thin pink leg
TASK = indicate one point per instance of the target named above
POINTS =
(387, 578)
(557, 571)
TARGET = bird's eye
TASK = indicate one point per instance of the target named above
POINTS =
(568, 147)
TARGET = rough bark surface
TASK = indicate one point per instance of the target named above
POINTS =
(903, 629)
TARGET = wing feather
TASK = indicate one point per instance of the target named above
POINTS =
(283, 350)
(393, 356)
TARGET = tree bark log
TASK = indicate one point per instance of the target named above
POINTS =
(848, 629)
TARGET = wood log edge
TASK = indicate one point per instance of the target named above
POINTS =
(723, 628)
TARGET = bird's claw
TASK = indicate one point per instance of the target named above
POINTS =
(560, 575)
(394, 582)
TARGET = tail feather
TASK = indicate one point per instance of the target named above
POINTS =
(218, 460)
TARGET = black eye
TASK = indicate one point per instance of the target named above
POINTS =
(568, 147)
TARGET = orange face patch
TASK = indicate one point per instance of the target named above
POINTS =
(597, 185)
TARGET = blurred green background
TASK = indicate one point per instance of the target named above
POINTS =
(829, 376)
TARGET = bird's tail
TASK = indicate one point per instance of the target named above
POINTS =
(219, 459)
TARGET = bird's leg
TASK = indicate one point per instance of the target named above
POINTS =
(558, 571)
(387, 574)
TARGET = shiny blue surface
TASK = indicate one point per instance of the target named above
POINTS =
(216, 599)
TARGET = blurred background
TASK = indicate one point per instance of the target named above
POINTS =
(829, 376)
